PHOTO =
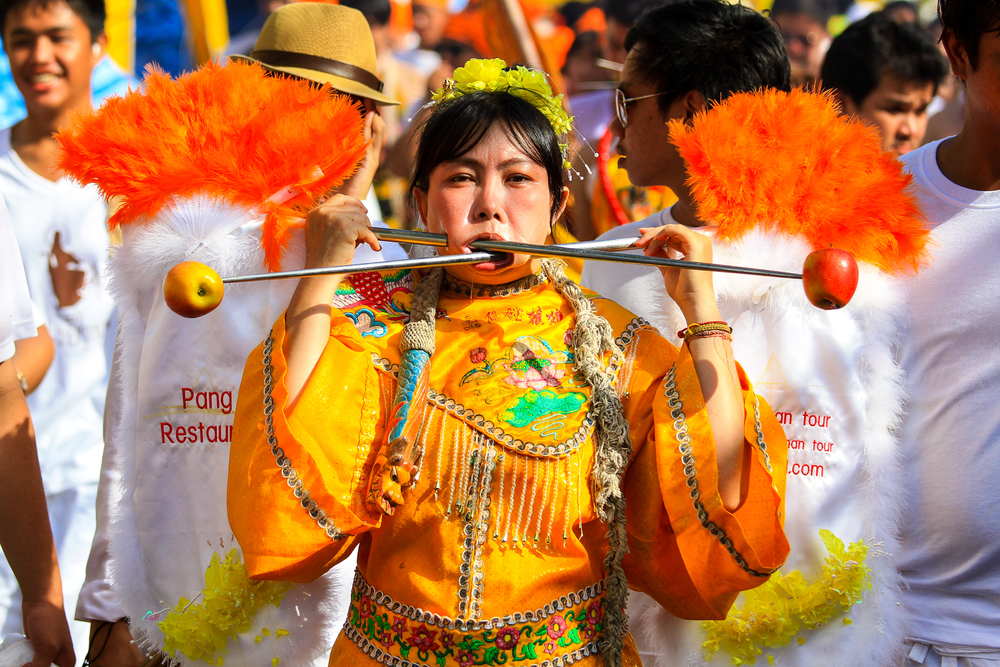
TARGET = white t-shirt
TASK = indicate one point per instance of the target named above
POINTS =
(17, 319)
(951, 433)
(60, 228)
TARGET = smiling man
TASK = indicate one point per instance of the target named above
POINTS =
(886, 73)
(53, 46)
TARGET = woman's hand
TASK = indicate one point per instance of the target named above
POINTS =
(360, 183)
(692, 290)
(333, 230)
(713, 357)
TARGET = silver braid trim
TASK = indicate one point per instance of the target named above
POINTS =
(287, 471)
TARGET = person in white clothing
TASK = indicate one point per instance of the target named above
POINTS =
(950, 556)
(25, 535)
(117, 564)
(830, 377)
(60, 227)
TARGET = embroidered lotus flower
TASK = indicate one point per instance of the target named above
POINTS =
(385, 638)
(398, 624)
(423, 639)
(465, 659)
(478, 355)
(447, 639)
(550, 647)
(557, 627)
(534, 365)
(507, 638)
(365, 607)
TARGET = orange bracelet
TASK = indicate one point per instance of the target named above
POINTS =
(704, 326)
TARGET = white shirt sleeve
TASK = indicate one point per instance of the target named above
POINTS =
(17, 319)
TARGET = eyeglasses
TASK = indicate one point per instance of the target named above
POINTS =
(621, 104)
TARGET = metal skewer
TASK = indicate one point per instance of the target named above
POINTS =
(603, 251)
(426, 262)
(593, 250)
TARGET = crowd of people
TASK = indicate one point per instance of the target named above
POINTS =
(788, 485)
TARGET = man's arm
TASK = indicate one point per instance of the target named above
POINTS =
(33, 358)
(25, 534)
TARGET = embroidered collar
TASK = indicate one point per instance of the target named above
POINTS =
(457, 287)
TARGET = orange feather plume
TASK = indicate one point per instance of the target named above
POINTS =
(225, 131)
(790, 163)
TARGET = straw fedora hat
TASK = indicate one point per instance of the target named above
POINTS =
(323, 43)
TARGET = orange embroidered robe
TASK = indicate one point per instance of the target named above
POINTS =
(496, 556)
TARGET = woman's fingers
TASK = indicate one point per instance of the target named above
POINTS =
(693, 245)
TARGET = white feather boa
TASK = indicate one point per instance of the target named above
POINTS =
(868, 325)
(150, 573)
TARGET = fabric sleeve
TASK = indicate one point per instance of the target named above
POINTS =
(17, 318)
(297, 510)
(687, 551)
(98, 600)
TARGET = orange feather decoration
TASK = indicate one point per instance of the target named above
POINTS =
(225, 131)
(788, 162)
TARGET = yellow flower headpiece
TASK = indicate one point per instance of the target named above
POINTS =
(479, 75)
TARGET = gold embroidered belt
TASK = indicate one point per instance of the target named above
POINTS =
(560, 633)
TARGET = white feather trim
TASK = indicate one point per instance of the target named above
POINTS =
(312, 613)
(876, 635)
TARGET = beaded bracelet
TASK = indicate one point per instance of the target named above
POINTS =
(704, 326)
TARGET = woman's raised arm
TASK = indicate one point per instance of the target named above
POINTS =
(333, 230)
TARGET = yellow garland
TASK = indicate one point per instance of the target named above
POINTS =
(480, 75)
(229, 602)
(773, 613)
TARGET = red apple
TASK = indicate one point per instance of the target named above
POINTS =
(192, 289)
(830, 276)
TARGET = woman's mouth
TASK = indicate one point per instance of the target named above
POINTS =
(500, 259)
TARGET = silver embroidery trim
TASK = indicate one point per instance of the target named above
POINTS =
(690, 473)
(760, 432)
(287, 471)
(460, 625)
(479, 422)
(476, 529)
(467, 289)
(378, 655)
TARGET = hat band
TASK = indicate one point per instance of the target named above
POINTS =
(320, 64)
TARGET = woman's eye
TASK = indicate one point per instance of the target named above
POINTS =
(460, 178)
(519, 178)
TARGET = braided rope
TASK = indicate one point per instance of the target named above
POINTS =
(592, 338)
(418, 333)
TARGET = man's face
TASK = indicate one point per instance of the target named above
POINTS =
(650, 158)
(51, 55)
(806, 41)
(899, 109)
(429, 23)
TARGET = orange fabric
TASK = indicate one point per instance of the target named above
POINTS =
(592, 21)
(227, 131)
(789, 162)
(504, 399)
(467, 27)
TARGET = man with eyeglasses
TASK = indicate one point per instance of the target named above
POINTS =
(842, 470)
(803, 28)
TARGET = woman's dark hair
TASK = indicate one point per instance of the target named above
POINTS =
(458, 125)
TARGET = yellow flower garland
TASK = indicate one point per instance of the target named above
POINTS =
(480, 75)
(774, 613)
(229, 602)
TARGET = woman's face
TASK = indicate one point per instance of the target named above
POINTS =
(494, 191)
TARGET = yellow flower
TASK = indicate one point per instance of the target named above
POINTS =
(492, 75)
(775, 612)
(229, 602)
